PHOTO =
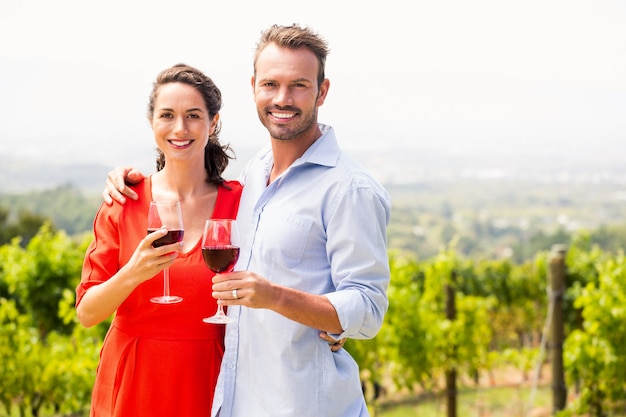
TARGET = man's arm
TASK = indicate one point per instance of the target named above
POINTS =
(116, 187)
(255, 291)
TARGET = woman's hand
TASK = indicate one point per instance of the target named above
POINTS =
(147, 261)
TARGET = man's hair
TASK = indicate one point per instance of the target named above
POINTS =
(295, 37)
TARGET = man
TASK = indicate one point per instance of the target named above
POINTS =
(314, 256)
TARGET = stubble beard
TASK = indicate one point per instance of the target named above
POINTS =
(287, 133)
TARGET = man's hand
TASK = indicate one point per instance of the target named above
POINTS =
(116, 185)
(247, 288)
(335, 345)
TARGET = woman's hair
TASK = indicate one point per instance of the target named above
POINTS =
(216, 156)
(295, 37)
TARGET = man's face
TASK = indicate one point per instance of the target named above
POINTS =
(286, 92)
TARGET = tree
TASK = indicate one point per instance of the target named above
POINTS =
(25, 227)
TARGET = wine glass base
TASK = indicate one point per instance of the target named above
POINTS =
(166, 299)
(218, 320)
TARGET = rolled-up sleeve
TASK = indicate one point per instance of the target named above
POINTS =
(357, 250)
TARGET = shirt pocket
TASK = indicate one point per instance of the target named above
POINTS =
(291, 235)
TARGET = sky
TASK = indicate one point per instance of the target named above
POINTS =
(495, 77)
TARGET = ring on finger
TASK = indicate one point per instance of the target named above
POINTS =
(235, 296)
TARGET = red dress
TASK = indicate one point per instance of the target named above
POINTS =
(156, 360)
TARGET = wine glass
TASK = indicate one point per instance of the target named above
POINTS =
(220, 250)
(168, 215)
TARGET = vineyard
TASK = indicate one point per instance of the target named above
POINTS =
(500, 312)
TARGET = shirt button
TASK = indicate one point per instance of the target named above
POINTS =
(231, 365)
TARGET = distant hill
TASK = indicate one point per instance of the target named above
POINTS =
(19, 175)
(23, 176)
(497, 207)
(390, 165)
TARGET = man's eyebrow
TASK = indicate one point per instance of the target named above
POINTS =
(298, 80)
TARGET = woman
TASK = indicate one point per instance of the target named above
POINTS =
(161, 360)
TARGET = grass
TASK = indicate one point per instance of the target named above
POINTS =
(511, 401)
(503, 401)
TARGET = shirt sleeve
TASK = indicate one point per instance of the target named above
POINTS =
(357, 250)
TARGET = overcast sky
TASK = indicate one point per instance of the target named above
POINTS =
(487, 75)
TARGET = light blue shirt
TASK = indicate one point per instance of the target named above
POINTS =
(321, 227)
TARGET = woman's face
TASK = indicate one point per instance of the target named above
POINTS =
(181, 121)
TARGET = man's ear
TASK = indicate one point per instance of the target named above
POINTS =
(321, 96)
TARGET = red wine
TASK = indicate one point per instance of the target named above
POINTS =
(220, 259)
(172, 236)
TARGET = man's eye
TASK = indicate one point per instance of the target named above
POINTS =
(166, 116)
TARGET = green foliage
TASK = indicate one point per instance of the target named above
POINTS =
(57, 372)
(501, 308)
(49, 360)
(16, 335)
(418, 341)
(594, 354)
(36, 276)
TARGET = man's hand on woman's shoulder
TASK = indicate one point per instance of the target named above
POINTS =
(117, 184)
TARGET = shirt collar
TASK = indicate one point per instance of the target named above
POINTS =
(324, 151)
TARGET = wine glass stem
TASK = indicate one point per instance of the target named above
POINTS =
(166, 282)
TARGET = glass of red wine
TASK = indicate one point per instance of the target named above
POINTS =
(220, 250)
(168, 215)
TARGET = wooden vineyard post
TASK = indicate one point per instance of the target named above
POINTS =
(451, 373)
(557, 289)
